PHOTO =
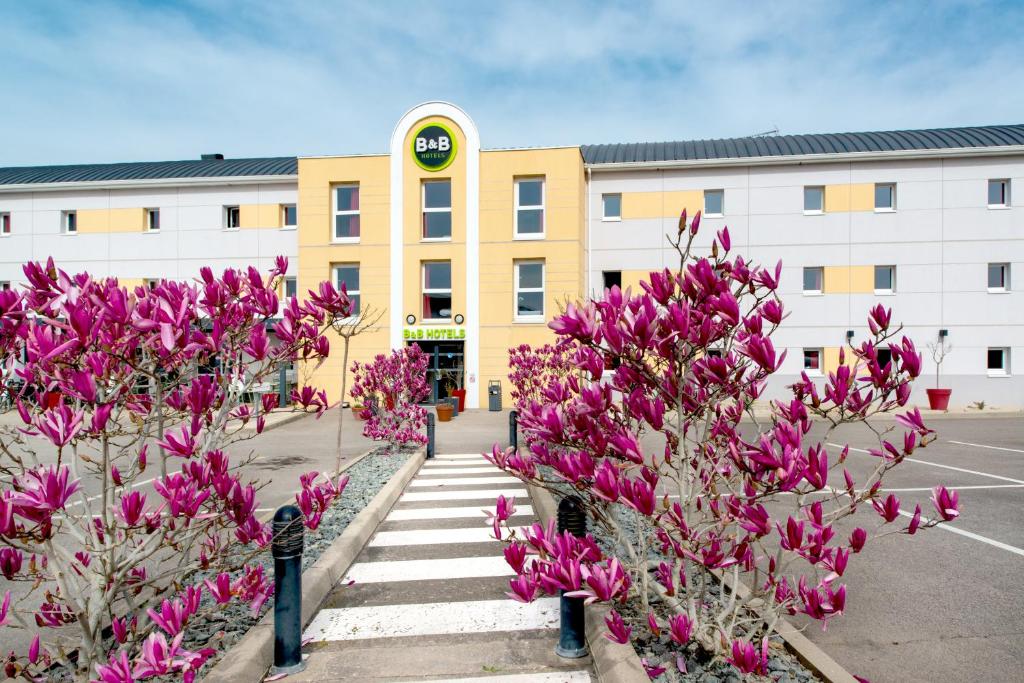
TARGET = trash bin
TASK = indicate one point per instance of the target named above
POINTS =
(494, 395)
(454, 403)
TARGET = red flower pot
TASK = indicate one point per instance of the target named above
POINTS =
(938, 399)
(461, 395)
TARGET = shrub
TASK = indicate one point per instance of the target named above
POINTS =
(393, 384)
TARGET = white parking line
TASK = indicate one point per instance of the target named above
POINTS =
(935, 464)
(981, 445)
(970, 534)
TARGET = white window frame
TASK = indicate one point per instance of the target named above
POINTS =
(814, 212)
(350, 292)
(821, 361)
(424, 211)
(149, 220)
(424, 291)
(284, 216)
(10, 224)
(1005, 289)
(892, 280)
(892, 198)
(335, 212)
(227, 217)
(151, 282)
(1005, 370)
(5, 284)
(708, 214)
(812, 292)
(66, 219)
(284, 286)
(1006, 193)
(543, 211)
(516, 290)
(604, 216)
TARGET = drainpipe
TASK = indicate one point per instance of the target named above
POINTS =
(588, 244)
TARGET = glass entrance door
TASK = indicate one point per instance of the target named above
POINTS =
(445, 367)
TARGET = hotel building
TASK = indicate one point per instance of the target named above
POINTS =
(468, 251)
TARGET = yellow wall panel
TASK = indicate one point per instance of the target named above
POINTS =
(661, 204)
(849, 279)
(847, 197)
(862, 197)
(94, 221)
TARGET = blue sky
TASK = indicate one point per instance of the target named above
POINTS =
(103, 81)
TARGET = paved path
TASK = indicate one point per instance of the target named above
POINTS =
(428, 599)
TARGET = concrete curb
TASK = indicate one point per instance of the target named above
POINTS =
(270, 426)
(251, 657)
(617, 663)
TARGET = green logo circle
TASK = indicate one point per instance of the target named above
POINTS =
(433, 147)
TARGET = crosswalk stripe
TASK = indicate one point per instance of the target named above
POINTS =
(424, 496)
(535, 677)
(426, 570)
(464, 481)
(481, 534)
(448, 513)
(444, 471)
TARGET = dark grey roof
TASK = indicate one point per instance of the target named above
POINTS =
(149, 170)
(798, 145)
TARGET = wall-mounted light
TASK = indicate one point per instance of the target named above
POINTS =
(849, 335)
(943, 334)
(459, 318)
(410, 319)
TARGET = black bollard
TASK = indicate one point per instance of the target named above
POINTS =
(282, 385)
(513, 430)
(430, 436)
(572, 636)
(287, 551)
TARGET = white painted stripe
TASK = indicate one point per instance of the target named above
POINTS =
(464, 481)
(428, 619)
(458, 456)
(945, 467)
(970, 534)
(538, 677)
(425, 570)
(422, 496)
(958, 488)
(481, 534)
(981, 445)
(444, 471)
(448, 513)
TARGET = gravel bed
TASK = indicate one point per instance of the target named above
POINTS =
(783, 667)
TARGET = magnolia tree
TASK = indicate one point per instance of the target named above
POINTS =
(655, 452)
(394, 384)
(118, 389)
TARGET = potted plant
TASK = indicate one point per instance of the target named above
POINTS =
(938, 399)
(444, 411)
(357, 410)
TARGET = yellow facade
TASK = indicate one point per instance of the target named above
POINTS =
(849, 197)
(97, 221)
(849, 280)
(252, 216)
(661, 204)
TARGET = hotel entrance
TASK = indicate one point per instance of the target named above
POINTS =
(445, 368)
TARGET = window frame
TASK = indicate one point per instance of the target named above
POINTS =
(228, 208)
(1004, 371)
(516, 208)
(814, 212)
(335, 212)
(1005, 267)
(604, 215)
(6, 224)
(709, 214)
(517, 289)
(813, 372)
(892, 281)
(892, 198)
(803, 283)
(150, 213)
(604, 278)
(284, 287)
(424, 291)
(285, 225)
(1005, 182)
(69, 218)
(424, 210)
(337, 284)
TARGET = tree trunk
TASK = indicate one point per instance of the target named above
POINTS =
(341, 405)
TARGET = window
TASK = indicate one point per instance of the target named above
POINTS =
(4, 285)
(437, 210)
(612, 278)
(437, 290)
(529, 291)
(346, 213)
(291, 286)
(884, 356)
(612, 207)
(999, 277)
(812, 361)
(151, 282)
(814, 279)
(714, 353)
(69, 223)
(5, 224)
(529, 208)
(232, 218)
(347, 275)
(998, 193)
(885, 196)
(289, 216)
(714, 202)
(153, 220)
(999, 361)
(885, 279)
(814, 200)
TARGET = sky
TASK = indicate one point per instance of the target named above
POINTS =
(102, 81)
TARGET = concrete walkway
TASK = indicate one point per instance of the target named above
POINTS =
(428, 600)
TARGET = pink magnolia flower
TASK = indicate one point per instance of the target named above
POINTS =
(890, 509)
(618, 632)
(746, 658)
(116, 670)
(5, 607)
(44, 491)
(60, 425)
(680, 628)
(946, 503)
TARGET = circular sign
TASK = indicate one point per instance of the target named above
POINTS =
(433, 147)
